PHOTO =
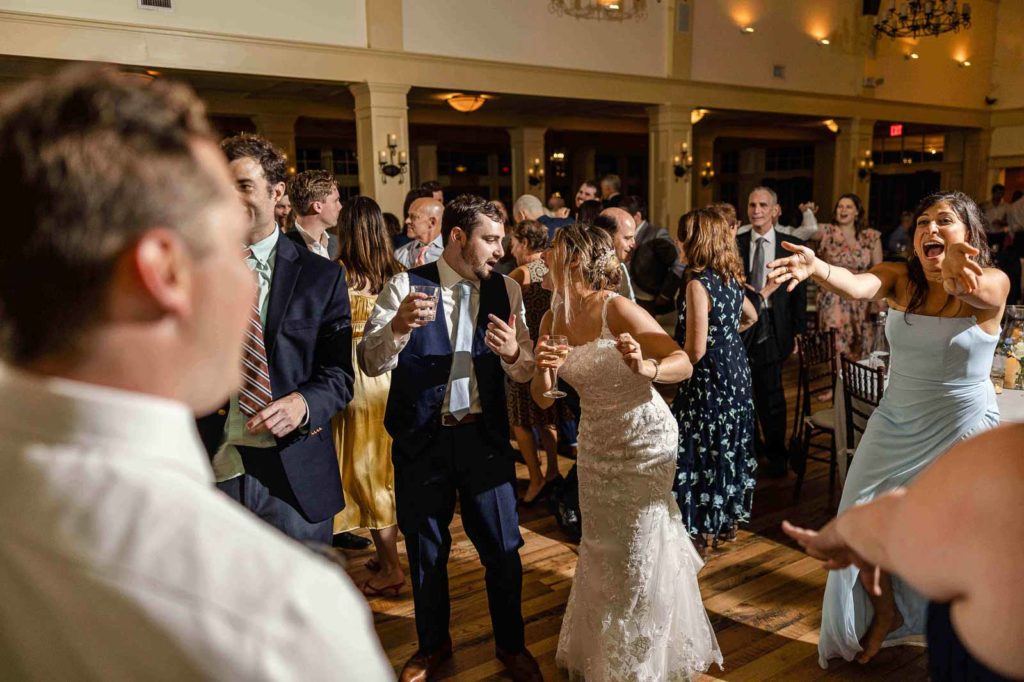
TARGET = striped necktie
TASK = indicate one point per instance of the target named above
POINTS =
(255, 392)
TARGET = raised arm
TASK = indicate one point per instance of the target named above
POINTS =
(874, 285)
(644, 345)
(982, 288)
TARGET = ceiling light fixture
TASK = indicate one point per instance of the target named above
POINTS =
(747, 30)
(832, 126)
(613, 10)
(824, 42)
(922, 18)
(911, 55)
(466, 103)
(696, 115)
(964, 63)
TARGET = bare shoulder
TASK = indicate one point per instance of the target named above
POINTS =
(520, 275)
(625, 316)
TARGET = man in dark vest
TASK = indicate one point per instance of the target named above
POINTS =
(446, 413)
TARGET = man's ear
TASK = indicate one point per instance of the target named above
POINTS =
(316, 207)
(278, 191)
(162, 265)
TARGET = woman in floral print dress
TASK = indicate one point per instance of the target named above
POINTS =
(850, 244)
(715, 466)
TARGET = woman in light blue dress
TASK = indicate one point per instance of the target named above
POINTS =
(946, 304)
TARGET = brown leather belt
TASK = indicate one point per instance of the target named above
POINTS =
(450, 420)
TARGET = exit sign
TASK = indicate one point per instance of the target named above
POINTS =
(896, 130)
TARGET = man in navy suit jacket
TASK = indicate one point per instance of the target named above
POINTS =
(281, 463)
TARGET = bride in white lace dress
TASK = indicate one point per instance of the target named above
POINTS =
(635, 610)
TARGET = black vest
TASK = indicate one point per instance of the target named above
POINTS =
(419, 381)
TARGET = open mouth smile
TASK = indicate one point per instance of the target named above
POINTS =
(932, 250)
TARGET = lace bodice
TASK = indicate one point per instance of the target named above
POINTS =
(600, 376)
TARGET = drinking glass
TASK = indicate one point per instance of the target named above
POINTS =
(561, 348)
(432, 292)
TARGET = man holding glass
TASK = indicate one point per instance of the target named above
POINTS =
(448, 331)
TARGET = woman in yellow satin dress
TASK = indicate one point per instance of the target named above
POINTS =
(364, 447)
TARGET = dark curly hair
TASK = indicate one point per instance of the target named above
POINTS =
(531, 233)
(464, 212)
(251, 146)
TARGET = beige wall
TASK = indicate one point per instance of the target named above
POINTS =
(526, 32)
(786, 34)
(1008, 67)
(333, 22)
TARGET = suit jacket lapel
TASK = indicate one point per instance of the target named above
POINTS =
(286, 274)
(744, 243)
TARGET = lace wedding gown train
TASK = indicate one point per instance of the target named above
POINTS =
(635, 612)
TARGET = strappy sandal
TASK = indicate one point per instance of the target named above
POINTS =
(369, 590)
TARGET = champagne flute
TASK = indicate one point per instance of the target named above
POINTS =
(561, 348)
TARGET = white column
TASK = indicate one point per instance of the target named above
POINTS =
(382, 112)
(426, 163)
(669, 196)
(527, 151)
(852, 145)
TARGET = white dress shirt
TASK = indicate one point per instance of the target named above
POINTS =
(769, 256)
(808, 227)
(406, 253)
(119, 560)
(317, 247)
(378, 351)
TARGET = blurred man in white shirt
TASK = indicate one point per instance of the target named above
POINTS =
(119, 560)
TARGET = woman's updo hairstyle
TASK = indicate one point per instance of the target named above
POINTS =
(588, 254)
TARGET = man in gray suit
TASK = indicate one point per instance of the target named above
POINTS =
(653, 257)
(316, 204)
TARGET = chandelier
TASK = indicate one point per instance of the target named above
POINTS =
(916, 18)
(466, 103)
(614, 10)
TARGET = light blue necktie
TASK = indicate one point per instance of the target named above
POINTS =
(462, 358)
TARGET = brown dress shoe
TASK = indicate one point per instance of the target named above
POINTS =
(421, 667)
(522, 666)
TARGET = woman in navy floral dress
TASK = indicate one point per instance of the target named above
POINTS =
(715, 469)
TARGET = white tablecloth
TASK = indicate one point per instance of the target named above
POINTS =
(1011, 411)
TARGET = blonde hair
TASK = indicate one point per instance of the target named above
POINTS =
(588, 256)
(710, 245)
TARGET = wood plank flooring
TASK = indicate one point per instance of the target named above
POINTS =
(763, 597)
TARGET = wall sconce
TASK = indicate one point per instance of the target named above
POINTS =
(963, 63)
(558, 161)
(866, 165)
(388, 168)
(911, 56)
(707, 174)
(824, 42)
(682, 162)
(535, 173)
(746, 30)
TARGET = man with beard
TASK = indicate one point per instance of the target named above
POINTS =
(447, 415)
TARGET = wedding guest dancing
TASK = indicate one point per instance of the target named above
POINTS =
(125, 302)
(956, 536)
(635, 610)
(715, 408)
(945, 308)
(529, 240)
(448, 355)
(849, 243)
(363, 445)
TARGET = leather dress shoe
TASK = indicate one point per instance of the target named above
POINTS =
(522, 666)
(421, 667)
(350, 541)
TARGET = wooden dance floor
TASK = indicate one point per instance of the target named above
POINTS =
(762, 595)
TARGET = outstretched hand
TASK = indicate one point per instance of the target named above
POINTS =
(793, 269)
(959, 273)
(829, 546)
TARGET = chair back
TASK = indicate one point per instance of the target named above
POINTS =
(863, 387)
(816, 352)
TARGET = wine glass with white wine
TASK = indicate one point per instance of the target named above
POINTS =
(560, 347)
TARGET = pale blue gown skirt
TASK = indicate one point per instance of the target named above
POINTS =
(939, 393)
